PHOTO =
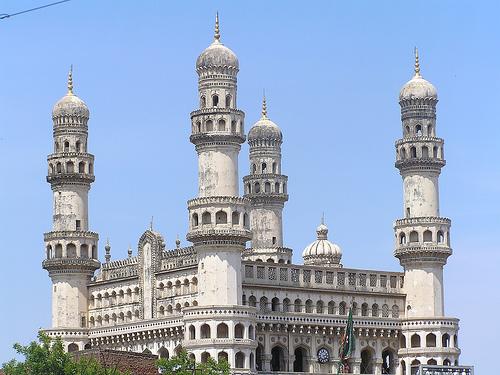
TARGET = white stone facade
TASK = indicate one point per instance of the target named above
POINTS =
(222, 297)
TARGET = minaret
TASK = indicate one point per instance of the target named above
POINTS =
(422, 237)
(219, 224)
(266, 188)
(71, 249)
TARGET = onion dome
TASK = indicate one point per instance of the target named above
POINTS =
(265, 128)
(217, 54)
(70, 104)
(322, 252)
(417, 87)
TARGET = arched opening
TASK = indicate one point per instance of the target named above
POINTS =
(215, 100)
(94, 252)
(235, 218)
(239, 329)
(264, 168)
(205, 331)
(198, 126)
(81, 167)
(309, 306)
(319, 307)
(222, 357)
(70, 167)
(252, 361)
(221, 126)
(284, 188)
(440, 237)
(277, 187)
(297, 305)
(258, 357)
(195, 220)
(418, 130)
(402, 153)
(299, 364)
(58, 168)
(91, 168)
(221, 217)
(414, 366)
(275, 304)
(413, 236)
(427, 236)
(87, 346)
(430, 340)
(331, 307)
(367, 361)
(222, 331)
(163, 353)
(435, 152)
(270, 260)
(429, 130)
(286, 305)
(432, 362)
(72, 347)
(403, 367)
(77, 146)
(239, 360)
(445, 341)
(385, 311)
(192, 332)
(277, 359)
(263, 304)
(203, 102)
(66, 146)
(425, 152)
(256, 188)
(413, 152)
(267, 187)
(71, 250)
(252, 301)
(447, 362)
(395, 311)
(245, 220)
(84, 251)
(228, 101)
(162, 310)
(251, 332)
(49, 252)
(209, 126)
(274, 167)
(342, 308)
(407, 130)
(402, 238)
(204, 357)
(254, 169)
(206, 218)
(375, 310)
(388, 365)
(233, 126)
(402, 341)
(415, 341)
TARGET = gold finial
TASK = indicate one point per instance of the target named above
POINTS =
(417, 63)
(264, 105)
(70, 80)
(217, 31)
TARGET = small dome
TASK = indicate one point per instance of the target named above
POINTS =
(217, 54)
(264, 128)
(70, 104)
(322, 251)
(417, 87)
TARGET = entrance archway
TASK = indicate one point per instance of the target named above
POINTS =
(258, 357)
(388, 366)
(277, 359)
(299, 365)
(367, 361)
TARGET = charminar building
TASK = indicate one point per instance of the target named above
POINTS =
(235, 293)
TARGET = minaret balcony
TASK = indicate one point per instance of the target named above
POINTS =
(71, 265)
(422, 253)
(216, 111)
(416, 164)
(70, 178)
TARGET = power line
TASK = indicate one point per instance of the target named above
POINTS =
(4, 15)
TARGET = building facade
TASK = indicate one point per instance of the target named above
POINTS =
(235, 293)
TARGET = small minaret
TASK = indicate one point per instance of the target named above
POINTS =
(71, 249)
(422, 237)
(266, 188)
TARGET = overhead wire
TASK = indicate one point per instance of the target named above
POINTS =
(4, 15)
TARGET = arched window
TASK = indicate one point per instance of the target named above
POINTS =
(233, 126)
(407, 130)
(267, 187)
(58, 168)
(239, 329)
(84, 251)
(204, 357)
(402, 153)
(198, 126)
(286, 305)
(388, 366)
(319, 307)
(418, 130)
(364, 309)
(245, 220)
(77, 146)
(440, 237)
(274, 167)
(70, 167)
(81, 167)
(72, 347)
(254, 168)
(432, 361)
(299, 364)
(402, 238)
(413, 152)
(297, 305)
(402, 341)
(251, 332)
(222, 357)
(205, 331)
(331, 307)
(263, 304)
(222, 331)
(385, 311)
(163, 353)
(71, 250)
(221, 126)
(367, 361)
(415, 341)
(209, 126)
(221, 217)
(256, 188)
(275, 304)
(252, 301)
(395, 311)
(277, 359)
(425, 152)
(249, 188)
(206, 218)
(56, 146)
(375, 310)
(66, 146)
(342, 308)
(162, 310)
(427, 236)
(309, 306)
(228, 101)
(203, 102)
(446, 362)
(277, 187)
(94, 252)
(215, 100)
(264, 167)
(429, 130)
(430, 340)
(239, 360)
(235, 218)
(195, 220)
(413, 236)
(445, 341)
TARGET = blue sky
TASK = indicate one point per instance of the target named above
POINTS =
(332, 72)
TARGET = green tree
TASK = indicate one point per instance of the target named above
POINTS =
(47, 357)
(183, 365)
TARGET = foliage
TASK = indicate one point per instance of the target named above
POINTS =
(47, 356)
(183, 365)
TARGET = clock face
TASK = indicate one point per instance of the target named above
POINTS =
(323, 355)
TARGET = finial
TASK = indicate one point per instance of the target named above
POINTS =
(417, 63)
(264, 105)
(108, 251)
(217, 31)
(178, 242)
(70, 80)
(151, 224)
(323, 218)
(129, 251)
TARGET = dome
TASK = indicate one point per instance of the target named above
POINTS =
(70, 104)
(217, 54)
(322, 251)
(417, 87)
(264, 128)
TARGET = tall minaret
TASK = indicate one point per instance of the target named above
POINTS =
(219, 223)
(422, 237)
(71, 249)
(266, 187)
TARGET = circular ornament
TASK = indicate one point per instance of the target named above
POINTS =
(323, 355)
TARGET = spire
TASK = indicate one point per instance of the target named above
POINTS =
(217, 31)
(177, 242)
(129, 251)
(417, 64)
(108, 251)
(151, 224)
(264, 106)
(70, 80)
(323, 218)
